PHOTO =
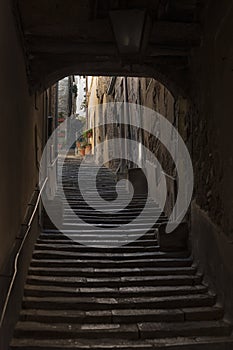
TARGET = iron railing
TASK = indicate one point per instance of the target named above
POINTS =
(29, 225)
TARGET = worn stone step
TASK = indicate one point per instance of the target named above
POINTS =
(129, 214)
(61, 331)
(148, 239)
(152, 230)
(186, 329)
(73, 246)
(116, 281)
(144, 330)
(112, 210)
(141, 244)
(79, 204)
(109, 316)
(106, 245)
(111, 223)
(53, 254)
(95, 295)
(178, 343)
(92, 303)
(117, 217)
(91, 219)
(98, 241)
(114, 233)
(147, 226)
(168, 262)
(110, 292)
(122, 316)
(104, 272)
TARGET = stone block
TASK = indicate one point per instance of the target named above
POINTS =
(55, 207)
(138, 179)
(176, 240)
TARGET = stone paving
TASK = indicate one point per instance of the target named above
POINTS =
(128, 297)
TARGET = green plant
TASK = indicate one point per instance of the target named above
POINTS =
(75, 90)
(83, 105)
(88, 133)
(83, 145)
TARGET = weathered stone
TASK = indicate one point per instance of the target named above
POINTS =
(55, 209)
(125, 295)
(177, 240)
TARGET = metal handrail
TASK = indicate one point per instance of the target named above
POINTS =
(54, 162)
(169, 176)
(19, 251)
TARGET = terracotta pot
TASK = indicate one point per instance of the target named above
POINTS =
(82, 152)
(88, 150)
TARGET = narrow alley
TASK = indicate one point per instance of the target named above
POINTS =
(101, 297)
(116, 191)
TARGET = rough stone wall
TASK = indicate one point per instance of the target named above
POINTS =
(209, 120)
(21, 130)
(149, 93)
(63, 97)
(66, 97)
(212, 117)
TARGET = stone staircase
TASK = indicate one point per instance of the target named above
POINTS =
(103, 297)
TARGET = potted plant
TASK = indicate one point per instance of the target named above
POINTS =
(89, 133)
(82, 150)
(88, 148)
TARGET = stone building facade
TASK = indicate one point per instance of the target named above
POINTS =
(139, 91)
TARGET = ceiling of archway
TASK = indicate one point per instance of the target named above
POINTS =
(75, 36)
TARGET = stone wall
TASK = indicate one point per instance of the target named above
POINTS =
(213, 122)
(23, 132)
(142, 91)
(63, 97)
(212, 144)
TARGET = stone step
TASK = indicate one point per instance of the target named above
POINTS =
(112, 264)
(135, 331)
(62, 331)
(56, 254)
(79, 203)
(111, 212)
(79, 282)
(186, 329)
(99, 222)
(108, 192)
(180, 343)
(107, 241)
(111, 292)
(100, 236)
(99, 295)
(75, 247)
(117, 221)
(113, 201)
(59, 238)
(105, 272)
(111, 209)
(81, 303)
(84, 225)
(122, 316)
(113, 232)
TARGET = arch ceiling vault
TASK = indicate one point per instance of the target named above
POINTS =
(76, 37)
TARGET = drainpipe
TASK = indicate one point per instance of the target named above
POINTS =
(56, 119)
(56, 126)
(126, 128)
